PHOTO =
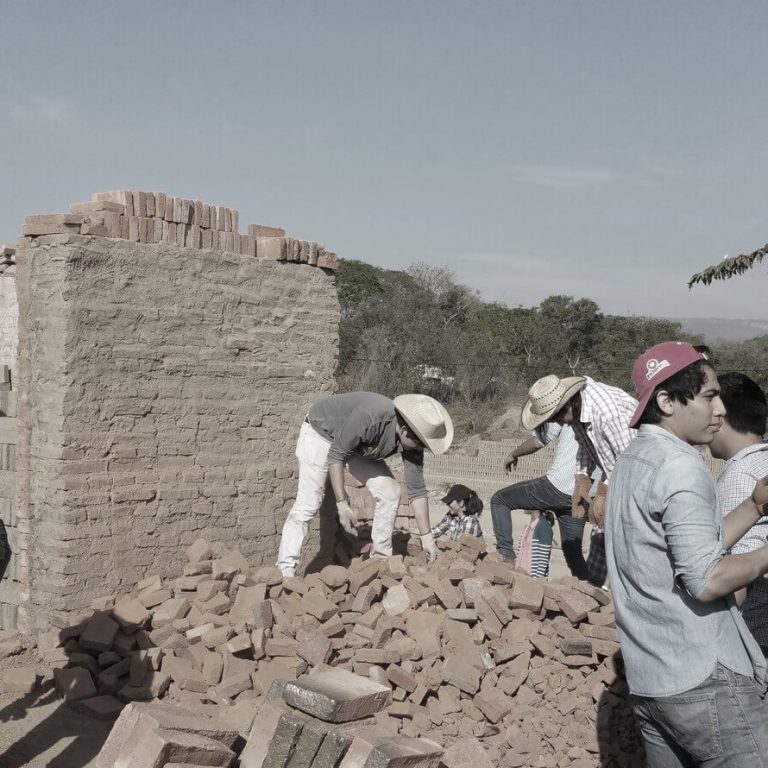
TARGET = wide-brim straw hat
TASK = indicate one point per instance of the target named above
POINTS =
(428, 419)
(547, 396)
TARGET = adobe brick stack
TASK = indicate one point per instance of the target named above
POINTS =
(474, 656)
(160, 734)
(159, 388)
(155, 217)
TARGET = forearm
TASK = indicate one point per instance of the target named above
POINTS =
(739, 521)
(526, 448)
(336, 473)
(734, 572)
(420, 509)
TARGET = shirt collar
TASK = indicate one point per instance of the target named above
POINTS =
(657, 431)
(746, 451)
(587, 402)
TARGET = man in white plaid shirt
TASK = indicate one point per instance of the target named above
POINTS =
(740, 443)
(599, 415)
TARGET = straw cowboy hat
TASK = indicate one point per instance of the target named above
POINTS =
(547, 396)
(428, 419)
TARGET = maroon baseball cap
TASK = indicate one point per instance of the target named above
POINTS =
(656, 365)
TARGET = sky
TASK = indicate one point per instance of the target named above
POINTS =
(606, 150)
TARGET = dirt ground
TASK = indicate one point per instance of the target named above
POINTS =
(37, 730)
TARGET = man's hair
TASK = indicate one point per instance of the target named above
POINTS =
(575, 404)
(681, 387)
(403, 423)
(744, 401)
(703, 349)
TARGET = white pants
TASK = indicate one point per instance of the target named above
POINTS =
(312, 453)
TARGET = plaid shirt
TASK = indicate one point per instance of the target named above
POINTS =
(455, 525)
(736, 483)
(603, 431)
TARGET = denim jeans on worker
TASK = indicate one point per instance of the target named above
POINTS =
(721, 723)
(540, 494)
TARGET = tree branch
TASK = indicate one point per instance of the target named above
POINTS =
(727, 268)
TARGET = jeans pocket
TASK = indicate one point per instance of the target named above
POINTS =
(692, 722)
(744, 684)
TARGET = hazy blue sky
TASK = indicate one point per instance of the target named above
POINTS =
(600, 149)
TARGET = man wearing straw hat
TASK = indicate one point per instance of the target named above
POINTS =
(599, 416)
(359, 430)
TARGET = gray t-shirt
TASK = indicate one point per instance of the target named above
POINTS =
(363, 423)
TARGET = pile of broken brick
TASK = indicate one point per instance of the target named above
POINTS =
(154, 217)
(465, 657)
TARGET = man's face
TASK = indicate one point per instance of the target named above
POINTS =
(408, 440)
(698, 421)
(719, 445)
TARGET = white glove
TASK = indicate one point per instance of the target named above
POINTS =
(429, 546)
(347, 516)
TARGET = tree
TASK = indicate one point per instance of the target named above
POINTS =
(727, 268)
(356, 284)
(573, 326)
(457, 303)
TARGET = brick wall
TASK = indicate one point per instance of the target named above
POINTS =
(10, 586)
(9, 308)
(161, 391)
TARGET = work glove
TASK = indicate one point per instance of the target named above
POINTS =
(597, 506)
(429, 546)
(347, 516)
(580, 496)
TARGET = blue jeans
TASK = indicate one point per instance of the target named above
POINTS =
(539, 494)
(721, 723)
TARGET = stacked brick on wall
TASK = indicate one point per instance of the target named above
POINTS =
(161, 394)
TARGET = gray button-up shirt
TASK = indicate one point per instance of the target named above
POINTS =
(663, 539)
(364, 423)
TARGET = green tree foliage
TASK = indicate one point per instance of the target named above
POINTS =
(747, 357)
(572, 327)
(727, 268)
(422, 331)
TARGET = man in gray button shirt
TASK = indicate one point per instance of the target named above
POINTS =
(359, 430)
(696, 674)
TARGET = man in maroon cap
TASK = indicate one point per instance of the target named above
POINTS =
(696, 674)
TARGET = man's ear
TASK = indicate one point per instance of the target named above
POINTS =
(665, 402)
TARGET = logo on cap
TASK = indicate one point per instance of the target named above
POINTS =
(654, 367)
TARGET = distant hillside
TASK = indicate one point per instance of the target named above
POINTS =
(714, 329)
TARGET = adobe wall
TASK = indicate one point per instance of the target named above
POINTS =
(161, 392)
(10, 585)
(9, 309)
